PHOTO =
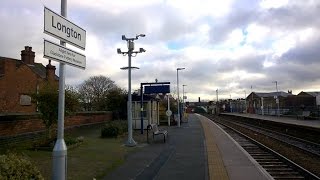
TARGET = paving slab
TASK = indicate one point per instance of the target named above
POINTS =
(181, 157)
(198, 150)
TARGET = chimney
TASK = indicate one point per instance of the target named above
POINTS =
(50, 72)
(199, 99)
(27, 55)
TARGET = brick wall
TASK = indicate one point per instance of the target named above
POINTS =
(14, 125)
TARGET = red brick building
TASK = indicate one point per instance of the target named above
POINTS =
(21, 78)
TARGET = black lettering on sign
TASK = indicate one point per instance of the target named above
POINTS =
(65, 29)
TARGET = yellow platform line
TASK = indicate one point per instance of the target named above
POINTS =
(216, 168)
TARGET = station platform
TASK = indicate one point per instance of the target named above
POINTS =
(199, 149)
(286, 120)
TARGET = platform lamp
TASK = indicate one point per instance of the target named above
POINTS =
(178, 69)
(277, 98)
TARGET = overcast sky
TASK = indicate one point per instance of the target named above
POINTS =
(228, 45)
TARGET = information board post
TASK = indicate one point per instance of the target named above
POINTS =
(169, 112)
(60, 148)
(141, 108)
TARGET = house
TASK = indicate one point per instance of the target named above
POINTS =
(258, 101)
(308, 100)
(19, 79)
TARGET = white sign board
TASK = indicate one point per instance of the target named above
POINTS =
(168, 113)
(62, 54)
(59, 27)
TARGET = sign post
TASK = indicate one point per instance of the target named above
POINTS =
(59, 27)
(168, 112)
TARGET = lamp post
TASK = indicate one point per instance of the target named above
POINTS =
(230, 104)
(251, 100)
(183, 99)
(178, 69)
(130, 52)
(277, 98)
(217, 105)
(245, 100)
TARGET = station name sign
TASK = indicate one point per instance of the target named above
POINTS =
(61, 28)
(62, 54)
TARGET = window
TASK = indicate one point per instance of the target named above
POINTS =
(25, 100)
(144, 112)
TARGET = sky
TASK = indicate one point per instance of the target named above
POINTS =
(235, 46)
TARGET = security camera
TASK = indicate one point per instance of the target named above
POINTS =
(119, 51)
(140, 35)
(123, 37)
(142, 50)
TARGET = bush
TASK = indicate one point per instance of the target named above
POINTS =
(109, 131)
(122, 125)
(113, 129)
(13, 166)
(71, 140)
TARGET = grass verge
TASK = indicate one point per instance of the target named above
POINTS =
(94, 158)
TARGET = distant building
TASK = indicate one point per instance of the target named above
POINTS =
(257, 100)
(21, 78)
(307, 100)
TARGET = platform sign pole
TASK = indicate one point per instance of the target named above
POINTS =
(262, 107)
(141, 108)
(60, 148)
(168, 110)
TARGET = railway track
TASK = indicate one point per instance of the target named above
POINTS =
(278, 166)
(299, 143)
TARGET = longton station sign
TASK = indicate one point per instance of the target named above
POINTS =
(61, 28)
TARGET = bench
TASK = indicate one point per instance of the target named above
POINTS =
(304, 115)
(156, 131)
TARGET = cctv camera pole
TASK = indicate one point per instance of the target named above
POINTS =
(130, 44)
(59, 155)
(130, 142)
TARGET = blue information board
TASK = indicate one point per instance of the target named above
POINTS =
(157, 89)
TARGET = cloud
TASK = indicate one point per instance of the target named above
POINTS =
(227, 45)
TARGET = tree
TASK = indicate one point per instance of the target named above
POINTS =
(72, 97)
(47, 104)
(93, 92)
(117, 103)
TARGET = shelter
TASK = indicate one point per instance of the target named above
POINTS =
(150, 111)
